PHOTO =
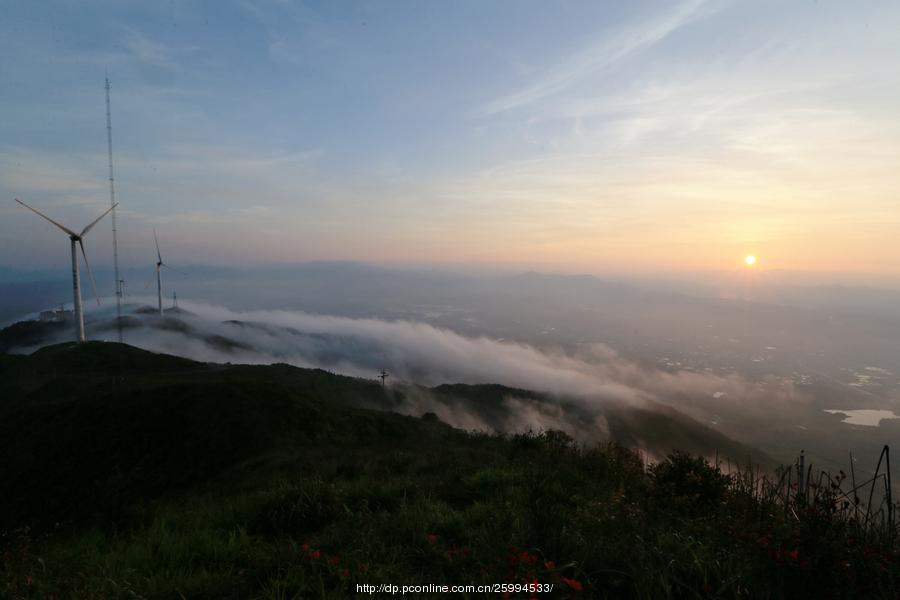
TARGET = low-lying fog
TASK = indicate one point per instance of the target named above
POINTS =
(764, 373)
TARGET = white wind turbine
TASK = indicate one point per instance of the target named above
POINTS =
(76, 280)
(159, 265)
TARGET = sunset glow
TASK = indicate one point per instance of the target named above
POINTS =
(591, 137)
(451, 261)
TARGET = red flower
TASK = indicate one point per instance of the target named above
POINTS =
(457, 551)
(333, 560)
(432, 538)
(549, 565)
(345, 573)
(315, 554)
(794, 554)
(305, 547)
(572, 583)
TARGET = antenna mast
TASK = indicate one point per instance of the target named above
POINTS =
(112, 202)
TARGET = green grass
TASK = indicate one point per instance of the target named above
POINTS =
(190, 481)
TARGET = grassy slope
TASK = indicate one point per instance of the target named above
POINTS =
(144, 475)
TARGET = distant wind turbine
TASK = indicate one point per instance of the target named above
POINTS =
(76, 280)
(159, 265)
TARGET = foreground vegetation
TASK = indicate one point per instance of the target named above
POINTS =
(169, 479)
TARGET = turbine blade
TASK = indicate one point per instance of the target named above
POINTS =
(90, 273)
(173, 268)
(97, 220)
(158, 255)
(39, 213)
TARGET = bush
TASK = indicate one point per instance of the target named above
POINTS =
(689, 480)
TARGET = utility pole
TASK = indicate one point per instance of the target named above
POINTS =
(112, 202)
(383, 375)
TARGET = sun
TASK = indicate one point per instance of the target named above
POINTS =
(750, 260)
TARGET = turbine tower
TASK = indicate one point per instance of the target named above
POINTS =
(159, 265)
(76, 281)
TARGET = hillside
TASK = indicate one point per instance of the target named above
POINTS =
(136, 424)
(651, 426)
(132, 474)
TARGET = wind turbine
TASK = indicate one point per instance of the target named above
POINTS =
(159, 265)
(76, 280)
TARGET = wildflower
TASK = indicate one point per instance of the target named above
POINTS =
(345, 573)
(315, 554)
(794, 554)
(333, 560)
(549, 565)
(458, 551)
(305, 547)
(432, 538)
(572, 583)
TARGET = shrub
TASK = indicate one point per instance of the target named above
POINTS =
(689, 480)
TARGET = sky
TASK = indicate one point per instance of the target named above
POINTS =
(597, 137)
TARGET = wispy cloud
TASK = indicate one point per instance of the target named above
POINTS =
(28, 171)
(295, 35)
(145, 49)
(600, 56)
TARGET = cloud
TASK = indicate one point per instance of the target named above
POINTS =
(144, 49)
(584, 384)
(296, 35)
(25, 171)
(600, 56)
